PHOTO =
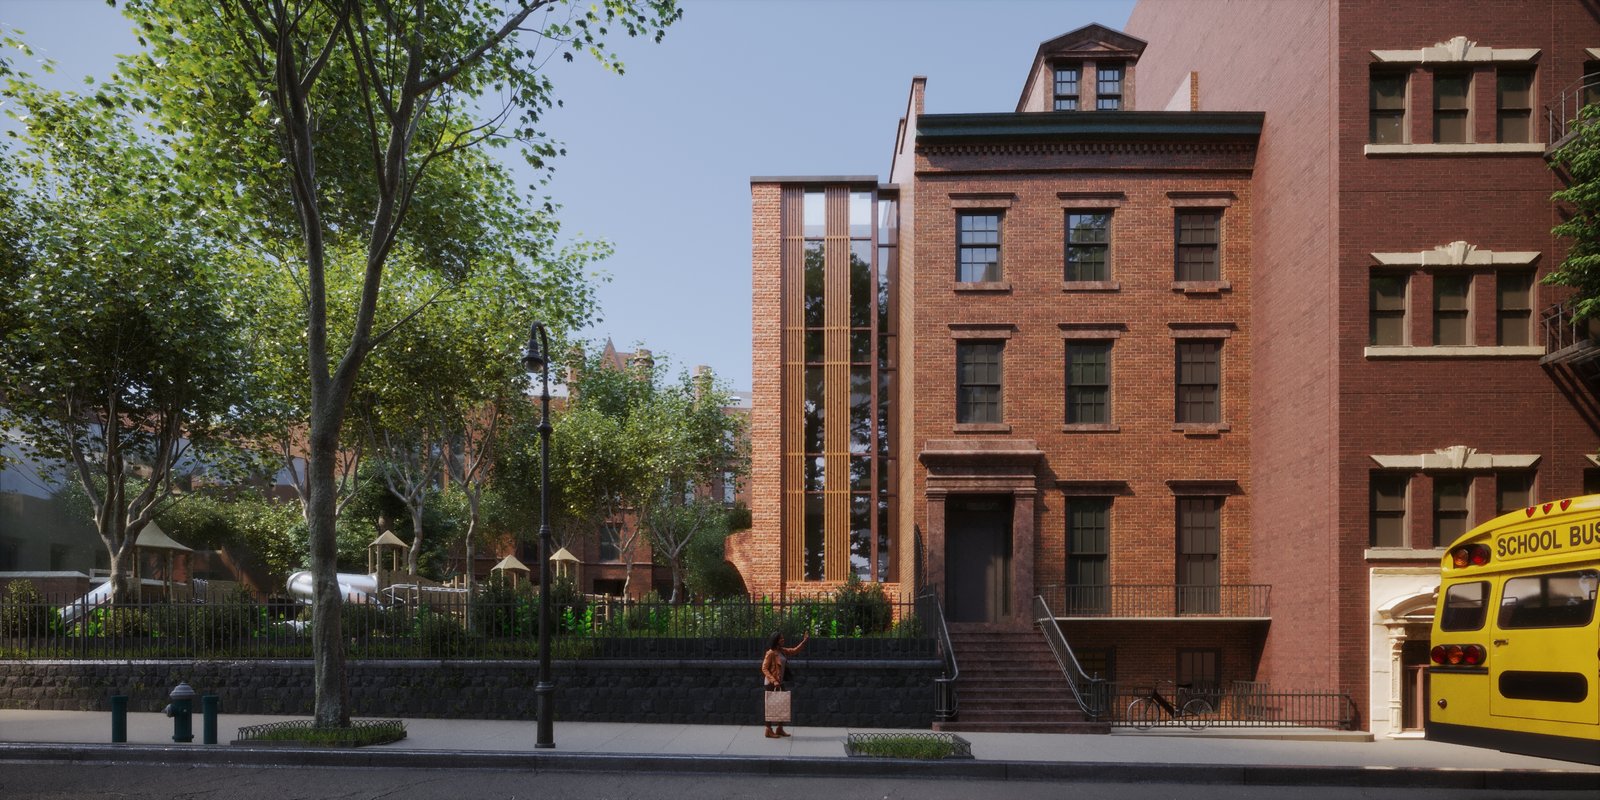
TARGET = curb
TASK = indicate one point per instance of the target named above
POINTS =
(1209, 774)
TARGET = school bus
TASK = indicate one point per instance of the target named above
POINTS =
(1516, 644)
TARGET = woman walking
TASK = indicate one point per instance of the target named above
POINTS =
(774, 671)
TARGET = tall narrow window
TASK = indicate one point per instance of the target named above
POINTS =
(1198, 237)
(1088, 382)
(1513, 491)
(1088, 246)
(1591, 83)
(978, 382)
(1199, 553)
(1108, 87)
(611, 541)
(1387, 108)
(1388, 511)
(1066, 94)
(1200, 670)
(1199, 381)
(1452, 318)
(1088, 551)
(1514, 308)
(1452, 508)
(978, 246)
(1388, 309)
(1451, 93)
(1514, 105)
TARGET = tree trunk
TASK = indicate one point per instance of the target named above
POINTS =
(332, 688)
(416, 539)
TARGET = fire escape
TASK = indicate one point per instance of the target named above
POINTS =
(1572, 348)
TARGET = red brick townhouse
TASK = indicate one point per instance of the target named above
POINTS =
(1403, 387)
(1021, 368)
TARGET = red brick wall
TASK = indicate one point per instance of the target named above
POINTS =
(757, 553)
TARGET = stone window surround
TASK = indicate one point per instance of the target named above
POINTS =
(1457, 50)
(999, 203)
(1179, 331)
(1091, 331)
(984, 332)
(1092, 201)
(1218, 200)
(1455, 254)
(1456, 458)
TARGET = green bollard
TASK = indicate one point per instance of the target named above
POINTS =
(119, 718)
(208, 719)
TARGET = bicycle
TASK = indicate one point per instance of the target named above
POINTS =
(1145, 712)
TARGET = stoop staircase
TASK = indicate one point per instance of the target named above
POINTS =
(1010, 682)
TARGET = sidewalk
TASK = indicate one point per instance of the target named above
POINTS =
(1212, 756)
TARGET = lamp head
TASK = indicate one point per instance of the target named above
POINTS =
(534, 358)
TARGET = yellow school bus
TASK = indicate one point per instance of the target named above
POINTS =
(1516, 643)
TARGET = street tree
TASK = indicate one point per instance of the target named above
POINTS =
(118, 329)
(1579, 159)
(328, 122)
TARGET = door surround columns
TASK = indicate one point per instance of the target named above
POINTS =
(980, 467)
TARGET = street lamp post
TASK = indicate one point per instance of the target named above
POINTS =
(537, 358)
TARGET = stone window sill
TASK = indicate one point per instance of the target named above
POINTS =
(1403, 554)
(984, 286)
(1469, 149)
(1202, 287)
(1091, 286)
(1201, 428)
(1090, 427)
(982, 427)
(1452, 351)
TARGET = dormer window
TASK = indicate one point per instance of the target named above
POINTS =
(1066, 93)
(1108, 87)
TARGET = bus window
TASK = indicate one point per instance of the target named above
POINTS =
(1464, 606)
(1556, 600)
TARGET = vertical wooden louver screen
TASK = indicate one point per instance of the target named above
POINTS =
(794, 389)
(836, 386)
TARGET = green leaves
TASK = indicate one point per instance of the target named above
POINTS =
(1580, 159)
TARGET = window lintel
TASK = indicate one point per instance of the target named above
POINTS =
(1203, 487)
(1456, 254)
(981, 330)
(1201, 330)
(982, 200)
(1091, 330)
(1219, 199)
(1091, 200)
(1456, 458)
(1456, 50)
(1088, 488)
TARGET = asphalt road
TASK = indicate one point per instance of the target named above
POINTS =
(59, 781)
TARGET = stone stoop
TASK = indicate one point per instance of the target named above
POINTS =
(1010, 682)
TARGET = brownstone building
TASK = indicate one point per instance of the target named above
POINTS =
(1211, 345)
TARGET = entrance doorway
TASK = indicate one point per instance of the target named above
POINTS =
(1414, 689)
(977, 558)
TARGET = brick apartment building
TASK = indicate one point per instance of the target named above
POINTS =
(1211, 344)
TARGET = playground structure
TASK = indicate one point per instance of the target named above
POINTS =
(151, 538)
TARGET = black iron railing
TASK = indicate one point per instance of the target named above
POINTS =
(1088, 691)
(1156, 600)
(1246, 704)
(1562, 330)
(499, 628)
(946, 704)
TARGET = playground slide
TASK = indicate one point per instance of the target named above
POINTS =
(355, 588)
(97, 597)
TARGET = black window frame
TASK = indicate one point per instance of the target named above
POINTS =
(1066, 92)
(974, 390)
(1086, 255)
(1088, 540)
(1108, 92)
(1088, 381)
(1197, 248)
(972, 240)
(1198, 554)
(1198, 382)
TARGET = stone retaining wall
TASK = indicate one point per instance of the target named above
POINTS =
(875, 693)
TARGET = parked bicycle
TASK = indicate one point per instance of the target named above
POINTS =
(1149, 710)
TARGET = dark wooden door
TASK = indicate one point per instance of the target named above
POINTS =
(977, 559)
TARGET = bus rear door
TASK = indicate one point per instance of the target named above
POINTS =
(1543, 653)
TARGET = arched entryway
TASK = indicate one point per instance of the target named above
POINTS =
(1407, 622)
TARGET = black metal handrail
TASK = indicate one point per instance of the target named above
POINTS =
(1562, 116)
(1249, 704)
(1159, 600)
(946, 703)
(1562, 329)
(1087, 691)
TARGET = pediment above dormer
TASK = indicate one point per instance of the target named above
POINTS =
(1087, 46)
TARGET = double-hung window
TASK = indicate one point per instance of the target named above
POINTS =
(1088, 382)
(1199, 555)
(1452, 508)
(1386, 112)
(1066, 87)
(978, 247)
(1199, 387)
(1514, 308)
(1088, 555)
(1088, 247)
(1198, 240)
(978, 387)
(1108, 87)
(1388, 509)
(1388, 309)
(1514, 105)
(1452, 122)
(1452, 307)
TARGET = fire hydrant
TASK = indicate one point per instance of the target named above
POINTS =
(181, 709)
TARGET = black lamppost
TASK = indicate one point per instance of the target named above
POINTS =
(537, 358)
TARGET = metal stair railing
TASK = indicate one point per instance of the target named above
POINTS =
(945, 702)
(1562, 116)
(1089, 692)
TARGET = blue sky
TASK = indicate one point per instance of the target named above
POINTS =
(659, 159)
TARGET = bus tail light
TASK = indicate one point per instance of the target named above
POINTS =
(1475, 555)
(1458, 655)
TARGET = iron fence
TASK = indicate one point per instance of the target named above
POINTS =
(1156, 600)
(1564, 114)
(1245, 704)
(483, 627)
